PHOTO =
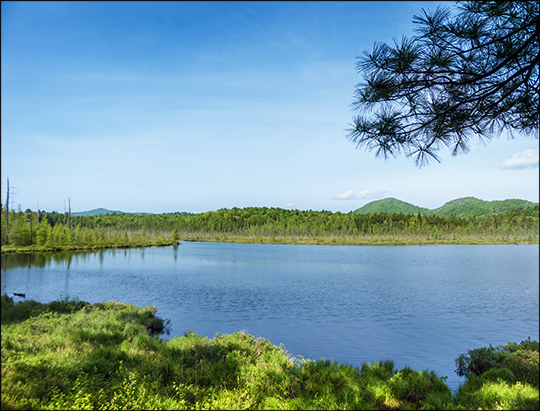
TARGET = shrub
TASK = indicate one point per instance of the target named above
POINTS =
(505, 377)
(479, 360)
(520, 359)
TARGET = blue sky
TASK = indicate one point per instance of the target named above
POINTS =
(196, 106)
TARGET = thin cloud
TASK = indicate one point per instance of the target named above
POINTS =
(347, 195)
(522, 160)
(361, 195)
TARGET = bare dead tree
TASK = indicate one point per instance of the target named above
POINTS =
(30, 227)
(7, 213)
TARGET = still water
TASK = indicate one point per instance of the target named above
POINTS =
(421, 306)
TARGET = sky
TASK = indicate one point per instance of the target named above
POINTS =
(196, 106)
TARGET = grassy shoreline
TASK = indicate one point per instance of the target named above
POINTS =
(281, 239)
(80, 247)
(70, 354)
(350, 240)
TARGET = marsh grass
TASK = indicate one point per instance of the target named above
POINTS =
(74, 355)
(397, 238)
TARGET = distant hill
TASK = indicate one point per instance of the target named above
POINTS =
(462, 207)
(101, 211)
(470, 206)
(391, 205)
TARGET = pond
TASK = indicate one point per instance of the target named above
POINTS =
(420, 306)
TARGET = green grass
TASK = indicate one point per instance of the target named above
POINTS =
(73, 355)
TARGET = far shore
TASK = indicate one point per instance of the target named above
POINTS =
(289, 240)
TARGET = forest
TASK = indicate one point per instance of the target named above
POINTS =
(51, 230)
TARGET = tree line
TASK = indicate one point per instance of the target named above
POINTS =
(42, 228)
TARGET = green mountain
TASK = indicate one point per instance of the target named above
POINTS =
(469, 206)
(101, 211)
(391, 205)
(462, 207)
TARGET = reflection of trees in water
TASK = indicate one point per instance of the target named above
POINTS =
(24, 260)
(100, 256)
(175, 252)
(60, 257)
(66, 258)
(41, 260)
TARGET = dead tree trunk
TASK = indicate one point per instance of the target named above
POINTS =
(30, 228)
(7, 213)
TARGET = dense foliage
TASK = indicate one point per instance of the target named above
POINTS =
(262, 224)
(521, 359)
(505, 371)
(53, 231)
(73, 355)
(464, 75)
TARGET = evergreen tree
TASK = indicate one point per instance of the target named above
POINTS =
(471, 74)
(43, 232)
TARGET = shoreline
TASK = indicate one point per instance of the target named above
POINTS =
(224, 238)
(74, 248)
(113, 353)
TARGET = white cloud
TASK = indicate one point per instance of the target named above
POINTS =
(361, 195)
(347, 195)
(367, 195)
(525, 159)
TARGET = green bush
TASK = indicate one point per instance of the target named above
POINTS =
(505, 377)
(520, 359)
(498, 375)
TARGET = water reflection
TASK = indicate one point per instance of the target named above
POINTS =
(58, 259)
(67, 259)
(100, 253)
(175, 252)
